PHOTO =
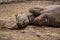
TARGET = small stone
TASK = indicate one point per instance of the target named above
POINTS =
(38, 35)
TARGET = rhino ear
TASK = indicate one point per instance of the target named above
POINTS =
(16, 15)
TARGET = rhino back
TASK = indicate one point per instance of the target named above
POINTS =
(53, 14)
(52, 8)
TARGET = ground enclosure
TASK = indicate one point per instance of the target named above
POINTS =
(14, 1)
(7, 12)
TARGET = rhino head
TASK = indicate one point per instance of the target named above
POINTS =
(21, 20)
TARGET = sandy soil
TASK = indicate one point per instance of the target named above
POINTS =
(7, 12)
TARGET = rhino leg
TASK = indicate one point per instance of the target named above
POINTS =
(40, 20)
(36, 11)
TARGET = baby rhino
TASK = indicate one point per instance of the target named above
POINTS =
(49, 16)
(23, 20)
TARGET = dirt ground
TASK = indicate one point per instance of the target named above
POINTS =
(7, 18)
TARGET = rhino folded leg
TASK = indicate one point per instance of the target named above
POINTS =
(36, 11)
(40, 20)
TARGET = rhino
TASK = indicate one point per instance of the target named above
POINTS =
(23, 20)
(49, 16)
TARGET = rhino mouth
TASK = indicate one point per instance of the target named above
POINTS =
(21, 26)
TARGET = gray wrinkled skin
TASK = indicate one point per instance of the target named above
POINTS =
(30, 17)
(36, 11)
(23, 20)
(50, 16)
(40, 20)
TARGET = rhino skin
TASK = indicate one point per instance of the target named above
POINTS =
(50, 16)
(23, 20)
(36, 11)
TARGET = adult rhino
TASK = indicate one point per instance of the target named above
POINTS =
(49, 16)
